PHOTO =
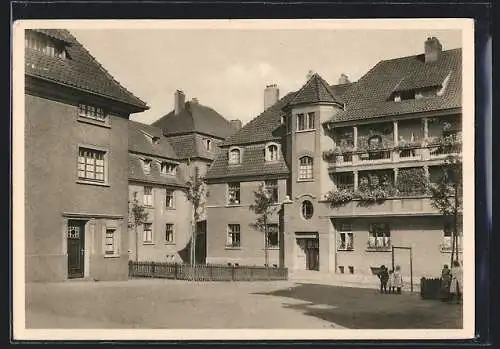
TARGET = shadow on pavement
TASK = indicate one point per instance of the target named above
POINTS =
(368, 309)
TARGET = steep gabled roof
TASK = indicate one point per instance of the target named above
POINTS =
(139, 141)
(370, 96)
(79, 70)
(315, 90)
(191, 145)
(136, 173)
(195, 117)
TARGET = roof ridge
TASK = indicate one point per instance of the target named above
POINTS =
(130, 94)
(419, 54)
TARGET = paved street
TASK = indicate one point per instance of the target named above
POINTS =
(158, 304)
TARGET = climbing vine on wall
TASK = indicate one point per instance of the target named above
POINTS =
(412, 181)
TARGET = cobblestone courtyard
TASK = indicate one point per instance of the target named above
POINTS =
(157, 304)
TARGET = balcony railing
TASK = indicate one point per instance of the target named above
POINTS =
(378, 244)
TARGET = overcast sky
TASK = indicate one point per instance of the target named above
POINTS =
(229, 69)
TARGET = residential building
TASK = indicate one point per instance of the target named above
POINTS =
(195, 132)
(76, 162)
(157, 183)
(353, 160)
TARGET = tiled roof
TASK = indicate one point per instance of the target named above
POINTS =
(136, 173)
(138, 141)
(370, 96)
(260, 129)
(315, 90)
(253, 164)
(192, 146)
(79, 70)
(195, 117)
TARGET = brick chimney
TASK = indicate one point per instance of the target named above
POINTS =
(271, 95)
(433, 49)
(194, 100)
(309, 75)
(236, 124)
(179, 101)
(343, 79)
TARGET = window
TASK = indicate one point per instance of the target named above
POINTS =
(379, 236)
(271, 187)
(148, 233)
(44, 44)
(345, 181)
(346, 238)
(146, 165)
(305, 122)
(305, 167)
(447, 236)
(91, 164)
(169, 198)
(148, 196)
(91, 112)
(307, 209)
(272, 152)
(169, 232)
(208, 144)
(233, 193)
(272, 240)
(168, 169)
(233, 235)
(234, 156)
(110, 243)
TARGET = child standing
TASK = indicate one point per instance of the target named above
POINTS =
(383, 275)
(390, 282)
(398, 280)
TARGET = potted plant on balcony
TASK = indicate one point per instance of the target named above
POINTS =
(339, 197)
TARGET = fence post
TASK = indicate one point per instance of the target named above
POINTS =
(153, 269)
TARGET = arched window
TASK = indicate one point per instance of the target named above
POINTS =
(208, 144)
(305, 167)
(272, 152)
(234, 156)
(307, 209)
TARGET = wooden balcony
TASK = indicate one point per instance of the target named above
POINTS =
(389, 207)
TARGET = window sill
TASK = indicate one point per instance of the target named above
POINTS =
(93, 122)
(307, 130)
(345, 249)
(233, 205)
(169, 242)
(384, 249)
(232, 248)
(448, 250)
(100, 184)
(111, 256)
(148, 243)
(272, 248)
(169, 208)
(305, 180)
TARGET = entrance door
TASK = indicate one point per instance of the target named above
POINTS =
(76, 252)
(312, 254)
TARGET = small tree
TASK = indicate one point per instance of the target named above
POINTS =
(264, 207)
(447, 192)
(196, 194)
(137, 216)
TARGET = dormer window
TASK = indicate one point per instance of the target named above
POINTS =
(397, 98)
(44, 44)
(234, 156)
(152, 139)
(168, 168)
(146, 165)
(91, 112)
(272, 152)
(208, 144)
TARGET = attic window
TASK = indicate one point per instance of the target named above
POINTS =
(44, 44)
(146, 165)
(234, 156)
(91, 112)
(168, 168)
(272, 152)
(208, 144)
(152, 139)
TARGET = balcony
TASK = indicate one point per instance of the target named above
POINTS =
(378, 243)
(390, 207)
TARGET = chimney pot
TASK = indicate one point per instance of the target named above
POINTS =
(271, 95)
(343, 79)
(179, 101)
(433, 49)
(194, 100)
(309, 75)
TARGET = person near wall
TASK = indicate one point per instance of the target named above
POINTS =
(456, 283)
(383, 275)
(398, 279)
(390, 282)
(445, 282)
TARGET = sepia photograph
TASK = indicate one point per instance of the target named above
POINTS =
(243, 179)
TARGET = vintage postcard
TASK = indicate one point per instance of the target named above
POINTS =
(243, 179)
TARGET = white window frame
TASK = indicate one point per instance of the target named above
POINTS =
(308, 121)
(306, 171)
(111, 234)
(172, 240)
(345, 238)
(379, 240)
(92, 112)
(148, 199)
(233, 230)
(236, 189)
(147, 233)
(168, 168)
(303, 209)
(172, 206)
(272, 187)
(146, 165)
(208, 144)
(233, 161)
(85, 165)
(269, 154)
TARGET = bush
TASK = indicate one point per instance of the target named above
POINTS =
(340, 197)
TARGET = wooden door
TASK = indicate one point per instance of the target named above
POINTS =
(312, 254)
(76, 248)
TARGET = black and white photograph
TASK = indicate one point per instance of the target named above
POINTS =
(243, 179)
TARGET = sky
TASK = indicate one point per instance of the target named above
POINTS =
(228, 70)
